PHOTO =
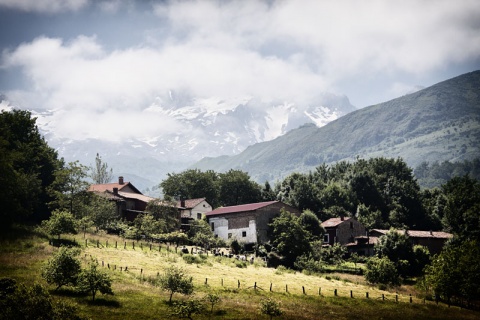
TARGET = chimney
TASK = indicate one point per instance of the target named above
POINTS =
(342, 218)
(115, 191)
(182, 203)
(120, 180)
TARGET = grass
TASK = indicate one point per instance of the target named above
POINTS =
(135, 297)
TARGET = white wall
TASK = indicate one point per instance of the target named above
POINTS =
(220, 225)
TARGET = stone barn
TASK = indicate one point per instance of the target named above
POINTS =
(247, 223)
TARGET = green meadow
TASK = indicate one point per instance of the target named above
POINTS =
(241, 286)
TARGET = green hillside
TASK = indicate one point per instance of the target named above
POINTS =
(439, 123)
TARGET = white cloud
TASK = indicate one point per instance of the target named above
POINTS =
(44, 6)
(282, 51)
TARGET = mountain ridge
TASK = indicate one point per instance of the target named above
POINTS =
(438, 123)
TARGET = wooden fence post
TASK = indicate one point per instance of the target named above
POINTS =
(206, 281)
(270, 287)
(115, 244)
(98, 243)
(106, 244)
(286, 288)
(411, 298)
(383, 297)
(396, 298)
(366, 295)
(335, 292)
(86, 243)
(239, 284)
(133, 245)
(125, 245)
(319, 291)
(351, 293)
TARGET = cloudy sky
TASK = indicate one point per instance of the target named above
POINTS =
(110, 59)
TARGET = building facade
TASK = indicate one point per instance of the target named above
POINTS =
(247, 223)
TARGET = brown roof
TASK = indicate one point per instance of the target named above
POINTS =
(333, 222)
(420, 233)
(137, 196)
(190, 203)
(109, 187)
(240, 208)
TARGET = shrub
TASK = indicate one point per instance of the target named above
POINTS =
(185, 309)
(270, 308)
(381, 270)
(63, 268)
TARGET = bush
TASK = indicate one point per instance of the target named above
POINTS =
(185, 309)
(305, 263)
(63, 268)
(381, 270)
(22, 302)
(191, 259)
(270, 308)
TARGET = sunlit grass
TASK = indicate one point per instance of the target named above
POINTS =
(137, 298)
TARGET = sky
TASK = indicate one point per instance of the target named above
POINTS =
(96, 63)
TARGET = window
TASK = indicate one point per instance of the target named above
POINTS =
(244, 234)
(213, 226)
(199, 216)
(229, 236)
(326, 238)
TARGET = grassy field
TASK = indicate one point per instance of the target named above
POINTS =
(241, 286)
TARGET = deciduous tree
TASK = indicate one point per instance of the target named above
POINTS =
(92, 280)
(175, 280)
(63, 268)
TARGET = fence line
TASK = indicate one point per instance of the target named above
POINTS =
(237, 284)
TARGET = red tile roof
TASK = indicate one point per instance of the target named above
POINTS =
(190, 203)
(240, 208)
(109, 187)
(333, 222)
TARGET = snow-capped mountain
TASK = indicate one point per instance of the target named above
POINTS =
(209, 127)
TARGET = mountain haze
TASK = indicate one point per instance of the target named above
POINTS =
(439, 123)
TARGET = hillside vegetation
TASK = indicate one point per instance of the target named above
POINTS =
(439, 123)
(22, 256)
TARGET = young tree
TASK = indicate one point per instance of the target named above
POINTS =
(270, 308)
(175, 280)
(63, 268)
(100, 173)
(91, 280)
(201, 233)
(212, 299)
(289, 237)
(69, 189)
(60, 222)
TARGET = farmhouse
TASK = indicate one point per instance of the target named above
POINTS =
(433, 240)
(129, 200)
(247, 223)
(342, 230)
(192, 209)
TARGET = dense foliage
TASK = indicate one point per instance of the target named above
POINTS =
(27, 166)
(174, 280)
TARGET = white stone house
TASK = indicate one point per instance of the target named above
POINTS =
(247, 223)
